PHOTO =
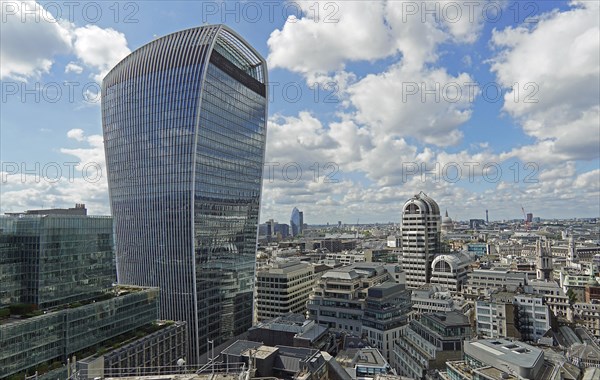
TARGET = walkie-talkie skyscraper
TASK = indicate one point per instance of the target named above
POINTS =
(184, 120)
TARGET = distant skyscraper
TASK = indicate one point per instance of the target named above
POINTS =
(487, 219)
(420, 238)
(297, 222)
(184, 120)
(529, 217)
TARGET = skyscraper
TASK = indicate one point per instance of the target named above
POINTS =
(184, 120)
(421, 232)
(297, 222)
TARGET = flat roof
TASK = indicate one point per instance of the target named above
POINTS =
(512, 352)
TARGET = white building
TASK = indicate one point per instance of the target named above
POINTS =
(421, 232)
(450, 270)
(435, 298)
(338, 299)
(533, 316)
(283, 288)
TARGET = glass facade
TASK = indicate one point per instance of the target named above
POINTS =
(297, 222)
(58, 334)
(51, 260)
(184, 121)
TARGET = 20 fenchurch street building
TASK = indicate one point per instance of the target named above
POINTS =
(184, 121)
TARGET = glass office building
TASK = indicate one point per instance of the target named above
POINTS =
(51, 260)
(297, 222)
(184, 121)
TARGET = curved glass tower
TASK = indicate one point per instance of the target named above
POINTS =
(184, 121)
(297, 222)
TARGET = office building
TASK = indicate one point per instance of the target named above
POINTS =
(534, 318)
(297, 222)
(275, 362)
(338, 299)
(156, 349)
(497, 359)
(55, 259)
(387, 309)
(481, 282)
(450, 271)
(432, 298)
(428, 342)
(420, 238)
(588, 315)
(184, 122)
(283, 288)
(59, 301)
(497, 318)
(364, 363)
(293, 330)
(34, 341)
(79, 209)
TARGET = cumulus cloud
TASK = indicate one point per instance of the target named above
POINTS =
(100, 48)
(555, 67)
(80, 178)
(426, 104)
(72, 67)
(326, 40)
(32, 38)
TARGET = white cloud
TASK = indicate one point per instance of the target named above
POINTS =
(76, 134)
(29, 40)
(63, 187)
(555, 68)
(72, 67)
(398, 103)
(100, 48)
(367, 31)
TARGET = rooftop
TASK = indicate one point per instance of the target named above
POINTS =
(511, 352)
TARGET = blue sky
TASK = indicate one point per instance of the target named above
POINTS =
(348, 103)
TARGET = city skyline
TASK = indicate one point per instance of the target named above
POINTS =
(360, 145)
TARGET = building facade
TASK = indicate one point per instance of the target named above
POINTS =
(283, 288)
(54, 259)
(420, 233)
(296, 222)
(428, 342)
(184, 123)
(58, 334)
(387, 309)
(157, 351)
(338, 299)
(450, 271)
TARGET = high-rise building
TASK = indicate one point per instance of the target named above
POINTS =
(184, 121)
(297, 222)
(421, 232)
(529, 217)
